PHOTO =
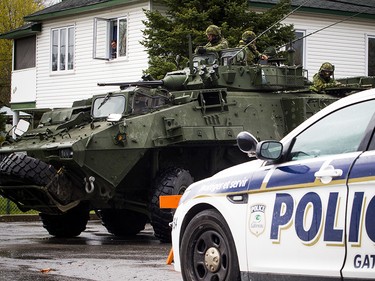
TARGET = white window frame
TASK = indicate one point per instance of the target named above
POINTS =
(69, 43)
(105, 27)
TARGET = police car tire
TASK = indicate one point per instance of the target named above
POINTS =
(208, 230)
(172, 181)
(121, 222)
(69, 224)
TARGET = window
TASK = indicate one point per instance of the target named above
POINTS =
(62, 49)
(24, 52)
(299, 47)
(110, 38)
(103, 106)
(340, 132)
(371, 56)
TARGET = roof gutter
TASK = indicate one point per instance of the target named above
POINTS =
(24, 31)
(313, 10)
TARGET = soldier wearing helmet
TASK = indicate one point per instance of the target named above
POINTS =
(248, 43)
(323, 79)
(215, 41)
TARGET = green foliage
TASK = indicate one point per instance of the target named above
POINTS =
(9, 208)
(2, 125)
(11, 17)
(2, 120)
(166, 35)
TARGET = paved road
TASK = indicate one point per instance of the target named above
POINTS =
(26, 250)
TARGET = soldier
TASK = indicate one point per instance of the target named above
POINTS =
(215, 41)
(323, 79)
(253, 56)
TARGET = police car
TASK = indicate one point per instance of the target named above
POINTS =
(304, 210)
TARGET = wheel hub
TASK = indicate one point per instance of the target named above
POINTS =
(212, 259)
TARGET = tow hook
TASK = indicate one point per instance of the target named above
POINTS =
(89, 184)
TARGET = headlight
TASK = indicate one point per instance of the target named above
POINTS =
(66, 153)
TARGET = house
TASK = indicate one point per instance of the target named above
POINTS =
(341, 32)
(66, 49)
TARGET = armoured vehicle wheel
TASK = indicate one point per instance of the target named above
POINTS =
(21, 166)
(172, 181)
(122, 222)
(69, 224)
(208, 252)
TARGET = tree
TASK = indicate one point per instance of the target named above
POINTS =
(165, 36)
(11, 17)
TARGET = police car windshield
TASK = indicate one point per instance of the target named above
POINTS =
(103, 106)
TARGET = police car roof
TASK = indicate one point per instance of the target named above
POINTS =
(351, 99)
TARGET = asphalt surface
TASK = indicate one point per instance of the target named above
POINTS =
(28, 252)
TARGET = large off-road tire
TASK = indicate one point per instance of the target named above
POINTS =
(172, 181)
(21, 168)
(208, 251)
(69, 224)
(121, 222)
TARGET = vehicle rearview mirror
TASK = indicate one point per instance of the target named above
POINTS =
(246, 142)
(269, 150)
(21, 128)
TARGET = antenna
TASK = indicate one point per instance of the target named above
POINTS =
(270, 27)
(316, 31)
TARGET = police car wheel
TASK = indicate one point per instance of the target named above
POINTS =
(207, 249)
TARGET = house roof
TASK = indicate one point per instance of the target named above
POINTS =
(23, 31)
(72, 7)
(366, 8)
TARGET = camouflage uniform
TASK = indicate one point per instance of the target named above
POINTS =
(323, 79)
(252, 53)
(217, 44)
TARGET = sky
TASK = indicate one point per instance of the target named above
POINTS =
(51, 2)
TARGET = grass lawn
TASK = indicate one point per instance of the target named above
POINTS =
(8, 208)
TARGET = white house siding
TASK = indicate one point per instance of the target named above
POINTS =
(23, 85)
(343, 44)
(60, 90)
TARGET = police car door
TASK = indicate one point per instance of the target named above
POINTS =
(360, 260)
(296, 216)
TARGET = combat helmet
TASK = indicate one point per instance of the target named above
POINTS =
(326, 71)
(327, 66)
(214, 30)
(248, 36)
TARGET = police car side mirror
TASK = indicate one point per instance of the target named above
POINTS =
(247, 143)
(269, 150)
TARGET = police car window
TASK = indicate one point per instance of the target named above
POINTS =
(339, 132)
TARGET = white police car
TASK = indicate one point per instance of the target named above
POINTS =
(305, 210)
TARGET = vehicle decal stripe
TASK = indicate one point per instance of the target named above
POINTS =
(271, 179)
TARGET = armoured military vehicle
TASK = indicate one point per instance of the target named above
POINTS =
(116, 153)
